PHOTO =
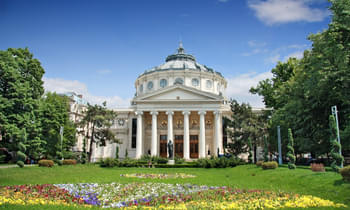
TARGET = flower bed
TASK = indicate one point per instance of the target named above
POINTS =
(156, 196)
(159, 176)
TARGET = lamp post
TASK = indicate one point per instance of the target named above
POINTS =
(335, 114)
(279, 145)
(61, 134)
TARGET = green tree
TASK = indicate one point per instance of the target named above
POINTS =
(98, 121)
(290, 154)
(21, 87)
(54, 113)
(244, 126)
(266, 149)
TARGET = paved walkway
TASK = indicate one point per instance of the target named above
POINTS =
(14, 166)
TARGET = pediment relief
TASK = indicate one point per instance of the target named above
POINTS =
(179, 92)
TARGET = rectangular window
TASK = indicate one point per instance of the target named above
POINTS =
(163, 137)
(193, 137)
(133, 133)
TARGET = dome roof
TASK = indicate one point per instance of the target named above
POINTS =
(181, 61)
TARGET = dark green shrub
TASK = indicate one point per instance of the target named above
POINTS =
(179, 160)
(109, 162)
(335, 146)
(345, 173)
(159, 160)
(290, 153)
(269, 165)
(69, 162)
(127, 162)
(117, 152)
(20, 164)
(58, 162)
(45, 163)
(185, 165)
(259, 163)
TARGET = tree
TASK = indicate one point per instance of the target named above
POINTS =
(54, 113)
(301, 91)
(290, 154)
(21, 86)
(245, 128)
(98, 120)
(266, 149)
(337, 159)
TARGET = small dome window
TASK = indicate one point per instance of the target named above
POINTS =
(141, 88)
(209, 84)
(179, 81)
(163, 83)
(195, 82)
(150, 85)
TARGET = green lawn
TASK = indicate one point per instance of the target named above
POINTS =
(327, 185)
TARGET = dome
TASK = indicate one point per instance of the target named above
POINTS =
(181, 61)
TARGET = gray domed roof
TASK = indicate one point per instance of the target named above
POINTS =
(181, 61)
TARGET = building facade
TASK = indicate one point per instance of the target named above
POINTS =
(180, 101)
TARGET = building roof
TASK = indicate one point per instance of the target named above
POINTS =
(181, 61)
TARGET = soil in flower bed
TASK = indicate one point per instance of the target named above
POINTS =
(156, 195)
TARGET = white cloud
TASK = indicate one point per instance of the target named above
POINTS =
(253, 43)
(238, 88)
(104, 71)
(257, 48)
(59, 85)
(284, 11)
(273, 58)
(297, 54)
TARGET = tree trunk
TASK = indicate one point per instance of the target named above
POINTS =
(91, 141)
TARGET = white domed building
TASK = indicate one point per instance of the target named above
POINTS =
(180, 101)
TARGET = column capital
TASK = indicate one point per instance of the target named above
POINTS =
(154, 113)
(202, 112)
(186, 112)
(169, 112)
(217, 112)
(139, 112)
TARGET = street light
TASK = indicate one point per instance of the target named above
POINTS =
(335, 114)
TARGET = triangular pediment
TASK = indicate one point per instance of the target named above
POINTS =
(179, 92)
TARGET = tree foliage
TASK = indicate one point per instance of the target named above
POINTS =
(96, 124)
(301, 92)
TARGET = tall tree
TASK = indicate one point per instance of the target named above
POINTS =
(337, 159)
(245, 129)
(97, 121)
(21, 86)
(290, 154)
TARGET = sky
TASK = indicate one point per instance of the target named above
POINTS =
(99, 48)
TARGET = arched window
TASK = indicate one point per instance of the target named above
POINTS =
(195, 82)
(150, 85)
(163, 83)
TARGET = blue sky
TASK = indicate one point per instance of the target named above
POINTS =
(98, 48)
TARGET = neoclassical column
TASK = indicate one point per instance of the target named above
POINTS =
(139, 143)
(218, 133)
(186, 135)
(154, 133)
(202, 134)
(170, 128)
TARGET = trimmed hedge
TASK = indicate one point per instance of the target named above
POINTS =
(269, 165)
(69, 162)
(45, 163)
(345, 173)
(175, 166)
(259, 163)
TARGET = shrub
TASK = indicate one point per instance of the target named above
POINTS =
(69, 162)
(259, 163)
(269, 165)
(345, 173)
(179, 160)
(109, 162)
(45, 163)
(290, 153)
(317, 167)
(58, 162)
(159, 160)
(20, 164)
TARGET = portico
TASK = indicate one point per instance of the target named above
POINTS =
(194, 133)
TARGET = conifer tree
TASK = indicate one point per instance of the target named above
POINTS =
(337, 159)
(290, 153)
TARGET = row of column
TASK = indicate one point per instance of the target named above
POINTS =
(186, 149)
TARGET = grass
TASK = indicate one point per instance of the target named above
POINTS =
(326, 185)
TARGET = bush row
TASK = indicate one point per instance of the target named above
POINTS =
(222, 162)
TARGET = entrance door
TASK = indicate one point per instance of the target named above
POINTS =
(193, 146)
(179, 145)
(163, 146)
